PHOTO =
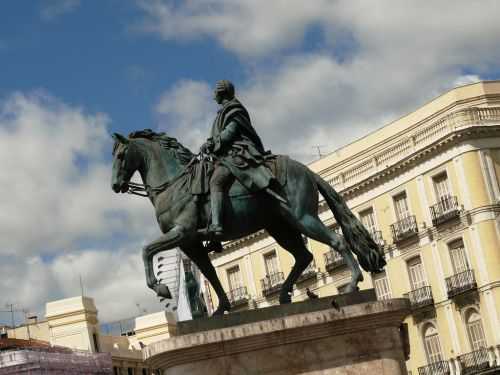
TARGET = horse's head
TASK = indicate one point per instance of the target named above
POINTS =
(124, 164)
(156, 156)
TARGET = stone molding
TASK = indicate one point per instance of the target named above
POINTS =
(276, 332)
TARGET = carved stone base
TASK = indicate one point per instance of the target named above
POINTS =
(356, 339)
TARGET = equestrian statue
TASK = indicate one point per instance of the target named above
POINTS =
(231, 189)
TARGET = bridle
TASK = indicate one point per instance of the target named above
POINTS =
(145, 190)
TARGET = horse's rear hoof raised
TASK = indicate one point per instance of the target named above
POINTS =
(285, 298)
(223, 307)
(162, 291)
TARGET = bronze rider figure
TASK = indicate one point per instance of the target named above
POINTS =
(238, 153)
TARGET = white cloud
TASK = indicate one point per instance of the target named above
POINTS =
(52, 9)
(376, 61)
(186, 111)
(54, 187)
(466, 79)
(56, 203)
(113, 278)
(259, 27)
(250, 28)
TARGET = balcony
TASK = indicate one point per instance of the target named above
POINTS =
(446, 209)
(436, 368)
(333, 261)
(474, 362)
(404, 229)
(460, 283)
(420, 297)
(309, 273)
(272, 283)
(238, 296)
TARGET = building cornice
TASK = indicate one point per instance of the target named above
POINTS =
(452, 128)
(478, 101)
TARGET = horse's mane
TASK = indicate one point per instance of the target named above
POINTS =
(169, 143)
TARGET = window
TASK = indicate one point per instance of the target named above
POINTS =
(475, 329)
(441, 186)
(234, 278)
(416, 273)
(381, 284)
(130, 371)
(432, 344)
(458, 257)
(271, 262)
(368, 220)
(401, 206)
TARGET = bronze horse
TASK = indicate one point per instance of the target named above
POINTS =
(166, 169)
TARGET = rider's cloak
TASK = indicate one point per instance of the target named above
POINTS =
(239, 148)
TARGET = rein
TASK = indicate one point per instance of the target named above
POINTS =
(139, 189)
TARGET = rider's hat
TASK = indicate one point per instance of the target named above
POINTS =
(225, 87)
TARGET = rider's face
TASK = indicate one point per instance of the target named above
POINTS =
(218, 96)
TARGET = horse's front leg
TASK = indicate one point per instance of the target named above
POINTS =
(167, 241)
(198, 254)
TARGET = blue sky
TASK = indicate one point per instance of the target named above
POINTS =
(91, 57)
(311, 73)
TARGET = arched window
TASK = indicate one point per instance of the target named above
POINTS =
(432, 344)
(475, 329)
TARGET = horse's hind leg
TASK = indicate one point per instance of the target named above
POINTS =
(311, 226)
(291, 240)
(198, 254)
(314, 228)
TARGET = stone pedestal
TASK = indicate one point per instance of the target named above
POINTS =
(354, 339)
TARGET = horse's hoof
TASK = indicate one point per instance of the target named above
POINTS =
(162, 291)
(285, 299)
(221, 310)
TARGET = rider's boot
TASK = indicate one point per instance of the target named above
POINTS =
(217, 201)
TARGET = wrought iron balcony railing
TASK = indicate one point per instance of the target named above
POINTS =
(474, 362)
(309, 272)
(238, 296)
(420, 297)
(460, 283)
(333, 261)
(272, 283)
(436, 368)
(446, 209)
(404, 228)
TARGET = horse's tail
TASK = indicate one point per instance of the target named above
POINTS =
(360, 241)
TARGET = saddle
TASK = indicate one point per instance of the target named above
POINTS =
(201, 171)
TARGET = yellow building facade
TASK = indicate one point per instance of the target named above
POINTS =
(427, 186)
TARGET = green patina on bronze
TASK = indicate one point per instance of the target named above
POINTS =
(177, 183)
